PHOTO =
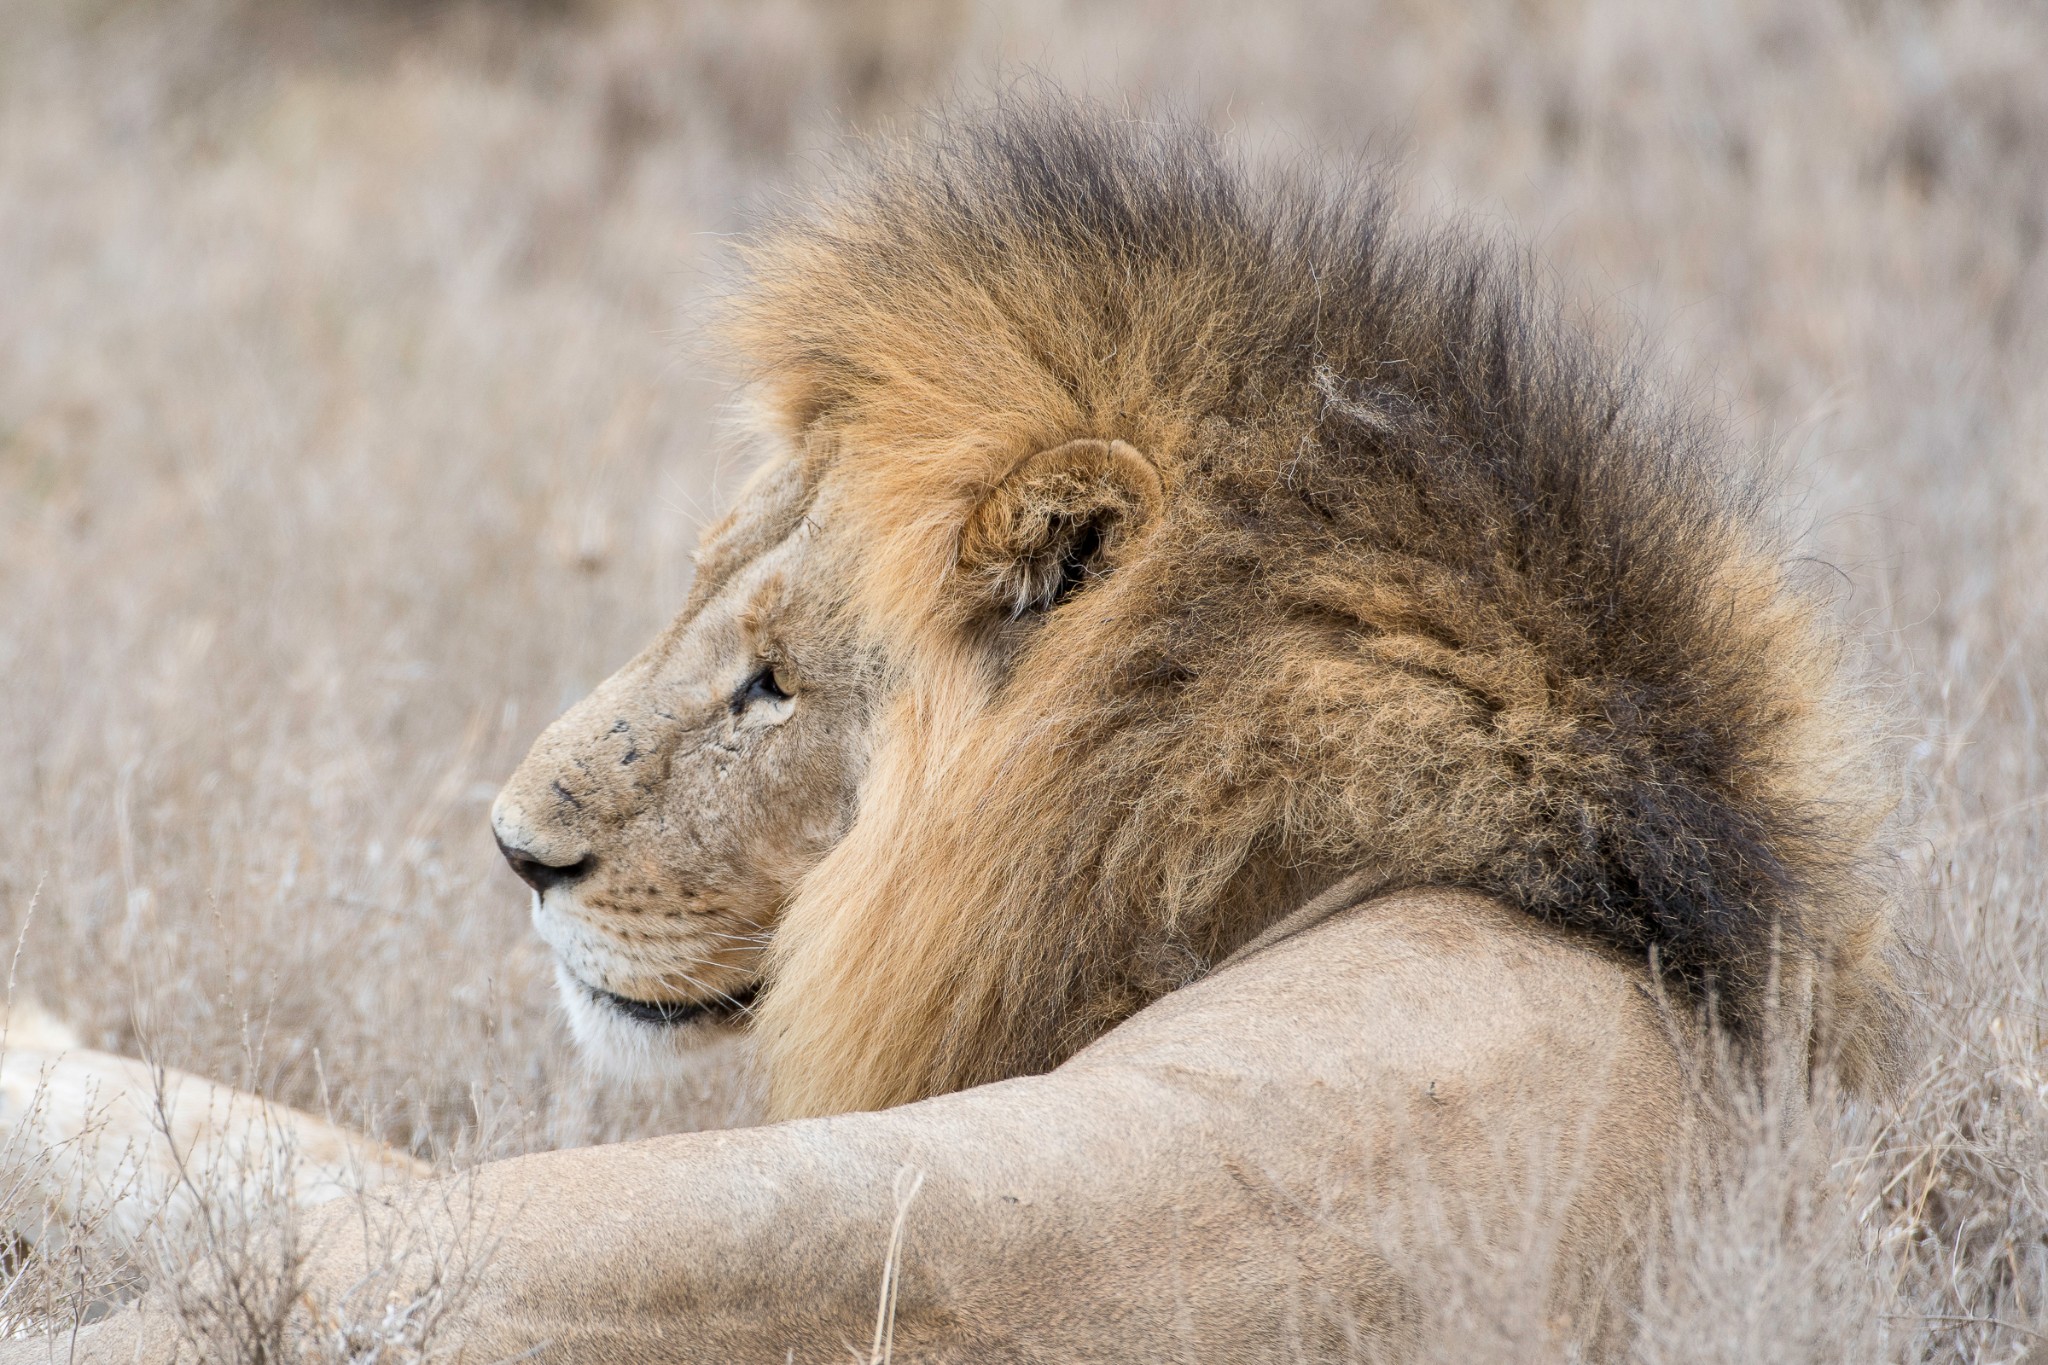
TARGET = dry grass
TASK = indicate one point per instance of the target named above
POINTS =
(344, 439)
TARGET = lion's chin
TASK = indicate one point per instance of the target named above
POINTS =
(629, 1038)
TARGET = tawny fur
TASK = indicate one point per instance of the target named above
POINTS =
(1436, 592)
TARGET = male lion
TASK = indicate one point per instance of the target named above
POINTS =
(1219, 727)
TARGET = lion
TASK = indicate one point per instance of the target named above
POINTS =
(1217, 722)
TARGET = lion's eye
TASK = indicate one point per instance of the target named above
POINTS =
(765, 685)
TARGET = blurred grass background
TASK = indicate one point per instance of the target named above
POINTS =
(350, 427)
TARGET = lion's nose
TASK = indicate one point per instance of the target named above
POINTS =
(542, 875)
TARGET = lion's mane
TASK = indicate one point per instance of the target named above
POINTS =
(1442, 592)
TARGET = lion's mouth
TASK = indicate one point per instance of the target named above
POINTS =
(664, 1015)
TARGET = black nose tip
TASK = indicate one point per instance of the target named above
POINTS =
(539, 875)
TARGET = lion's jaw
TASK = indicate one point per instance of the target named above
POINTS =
(664, 820)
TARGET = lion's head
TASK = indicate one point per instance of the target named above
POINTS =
(1149, 546)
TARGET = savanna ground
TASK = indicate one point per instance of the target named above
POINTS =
(350, 427)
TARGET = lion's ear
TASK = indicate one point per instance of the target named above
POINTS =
(1056, 521)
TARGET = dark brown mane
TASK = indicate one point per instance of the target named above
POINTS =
(1441, 591)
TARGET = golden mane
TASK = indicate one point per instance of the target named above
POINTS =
(1436, 593)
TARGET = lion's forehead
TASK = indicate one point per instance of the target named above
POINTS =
(774, 505)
